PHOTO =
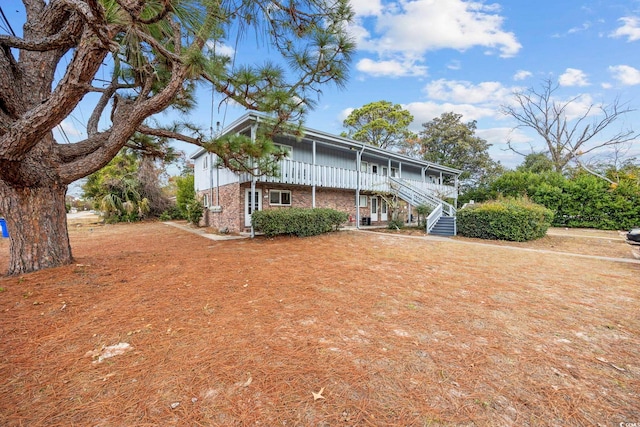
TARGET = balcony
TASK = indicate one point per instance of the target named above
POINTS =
(298, 173)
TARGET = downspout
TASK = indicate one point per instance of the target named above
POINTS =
(313, 175)
(358, 168)
(218, 185)
(253, 203)
(210, 186)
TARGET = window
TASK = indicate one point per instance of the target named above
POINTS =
(205, 161)
(205, 200)
(364, 167)
(385, 171)
(280, 197)
(374, 169)
(394, 172)
(363, 201)
(287, 148)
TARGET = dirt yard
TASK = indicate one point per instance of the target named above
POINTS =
(155, 326)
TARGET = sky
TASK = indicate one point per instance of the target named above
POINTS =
(468, 57)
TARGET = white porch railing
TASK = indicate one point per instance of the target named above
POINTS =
(299, 173)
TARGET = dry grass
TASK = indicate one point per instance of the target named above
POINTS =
(393, 331)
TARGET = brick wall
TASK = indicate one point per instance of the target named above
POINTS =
(232, 200)
(232, 209)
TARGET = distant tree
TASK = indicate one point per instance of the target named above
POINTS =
(380, 123)
(185, 193)
(127, 189)
(128, 60)
(448, 141)
(536, 163)
(568, 136)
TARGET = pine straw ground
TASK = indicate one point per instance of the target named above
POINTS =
(347, 329)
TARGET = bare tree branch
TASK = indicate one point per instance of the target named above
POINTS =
(567, 138)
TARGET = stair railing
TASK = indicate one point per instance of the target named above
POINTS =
(417, 196)
(433, 218)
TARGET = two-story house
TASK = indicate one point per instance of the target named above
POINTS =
(323, 170)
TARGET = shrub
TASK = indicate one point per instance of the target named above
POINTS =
(172, 213)
(194, 211)
(395, 224)
(297, 221)
(515, 219)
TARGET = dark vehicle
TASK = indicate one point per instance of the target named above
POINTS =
(633, 236)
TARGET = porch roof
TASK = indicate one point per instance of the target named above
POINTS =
(245, 122)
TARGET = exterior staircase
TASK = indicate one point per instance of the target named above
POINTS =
(442, 219)
(445, 226)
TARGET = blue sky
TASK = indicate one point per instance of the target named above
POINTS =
(435, 56)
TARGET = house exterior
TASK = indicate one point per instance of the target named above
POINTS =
(325, 171)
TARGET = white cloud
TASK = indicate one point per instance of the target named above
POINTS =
(391, 68)
(426, 111)
(220, 48)
(500, 136)
(573, 77)
(580, 106)
(366, 7)
(454, 65)
(630, 28)
(411, 28)
(522, 75)
(460, 91)
(585, 26)
(625, 74)
(606, 85)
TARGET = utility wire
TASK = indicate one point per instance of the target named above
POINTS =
(6, 21)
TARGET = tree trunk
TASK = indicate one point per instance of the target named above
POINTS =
(37, 224)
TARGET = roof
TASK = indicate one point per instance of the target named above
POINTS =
(247, 120)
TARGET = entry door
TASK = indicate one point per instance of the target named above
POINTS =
(251, 204)
(374, 209)
(383, 210)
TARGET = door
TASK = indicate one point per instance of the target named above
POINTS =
(251, 204)
(374, 209)
(383, 210)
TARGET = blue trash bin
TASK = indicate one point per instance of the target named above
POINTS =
(3, 226)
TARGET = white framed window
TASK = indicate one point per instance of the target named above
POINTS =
(205, 162)
(394, 172)
(374, 169)
(280, 197)
(363, 201)
(385, 171)
(287, 148)
(364, 167)
(205, 200)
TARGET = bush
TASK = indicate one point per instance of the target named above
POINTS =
(172, 213)
(395, 224)
(297, 221)
(194, 211)
(512, 219)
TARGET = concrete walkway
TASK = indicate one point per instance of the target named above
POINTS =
(515, 248)
(203, 233)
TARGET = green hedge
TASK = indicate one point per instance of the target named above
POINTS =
(297, 221)
(583, 200)
(516, 220)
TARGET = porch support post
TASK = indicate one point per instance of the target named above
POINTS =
(456, 190)
(313, 175)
